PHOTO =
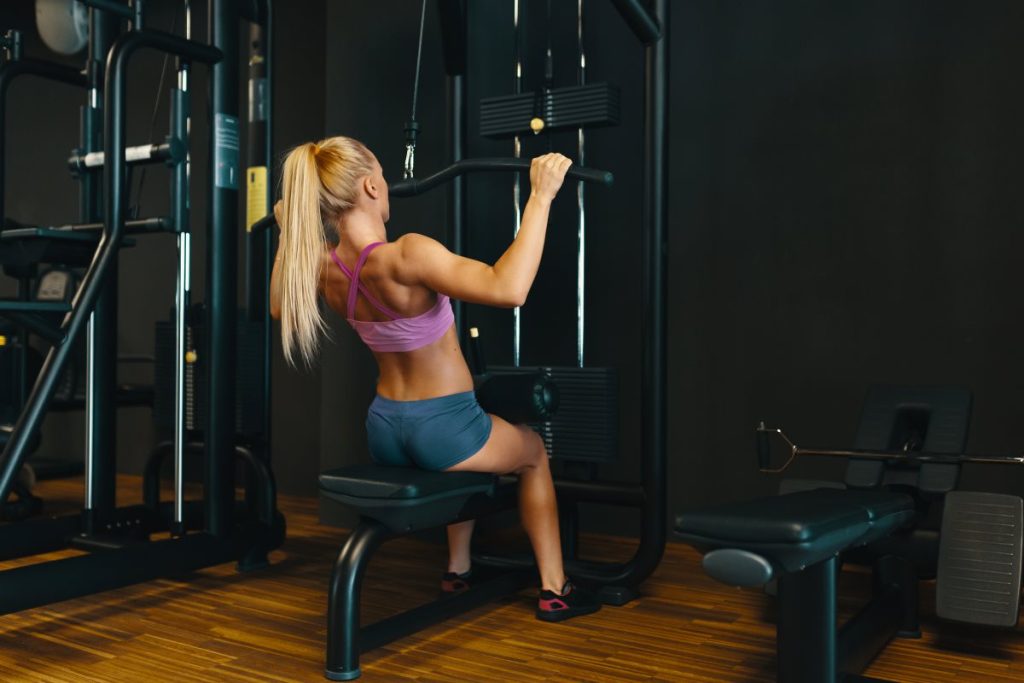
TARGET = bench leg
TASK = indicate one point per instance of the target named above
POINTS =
(806, 632)
(899, 573)
(343, 600)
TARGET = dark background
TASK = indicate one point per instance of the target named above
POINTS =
(844, 210)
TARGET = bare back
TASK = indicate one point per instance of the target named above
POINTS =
(437, 369)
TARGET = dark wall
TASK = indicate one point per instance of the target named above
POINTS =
(842, 212)
(42, 128)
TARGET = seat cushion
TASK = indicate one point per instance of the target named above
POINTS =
(879, 504)
(409, 499)
(800, 529)
(798, 517)
(402, 483)
(887, 510)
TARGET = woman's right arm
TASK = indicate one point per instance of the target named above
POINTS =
(507, 283)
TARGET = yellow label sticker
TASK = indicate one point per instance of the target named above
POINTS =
(256, 195)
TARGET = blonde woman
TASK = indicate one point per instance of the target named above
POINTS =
(395, 295)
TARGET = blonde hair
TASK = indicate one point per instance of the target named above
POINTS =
(320, 183)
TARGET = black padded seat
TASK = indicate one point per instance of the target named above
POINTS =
(887, 510)
(794, 518)
(799, 529)
(407, 498)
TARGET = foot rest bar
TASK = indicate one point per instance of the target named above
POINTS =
(419, 618)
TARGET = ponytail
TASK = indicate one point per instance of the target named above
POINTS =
(302, 251)
(320, 183)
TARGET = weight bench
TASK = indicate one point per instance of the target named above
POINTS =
(797, 539)
(392, 502)
(901, 477)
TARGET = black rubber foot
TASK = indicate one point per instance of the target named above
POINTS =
(256, 560)
(617, 596)
(913, 635)
(342, 675)
(22, 506)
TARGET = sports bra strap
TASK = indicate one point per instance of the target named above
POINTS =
(344, 268)
(356, 285)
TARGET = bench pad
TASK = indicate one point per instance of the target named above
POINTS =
(799, 529)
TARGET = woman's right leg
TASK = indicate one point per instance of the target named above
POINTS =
(520, 450)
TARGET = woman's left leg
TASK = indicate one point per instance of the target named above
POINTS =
(459, 537)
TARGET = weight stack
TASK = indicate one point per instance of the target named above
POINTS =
(566, 108)
(586, 426)
(249, 420)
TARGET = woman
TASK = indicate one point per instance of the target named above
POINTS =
(396, 297)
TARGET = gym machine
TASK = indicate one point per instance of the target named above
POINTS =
(396, 501)
(217, 529)
(898, 511)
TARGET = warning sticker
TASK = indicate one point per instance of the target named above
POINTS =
(256, 195)
(225, 151)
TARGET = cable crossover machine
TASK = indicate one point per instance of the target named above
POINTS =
(129, 544)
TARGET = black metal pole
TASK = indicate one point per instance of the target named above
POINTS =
(222, 268)
(136, 226)
(653, 306)
(102, 31)
(646, 28)
(653, 441)
(457, 197)
(258, 204)
(453, 37)
(256, 168)
(268, 235)
(101, 402)
(113, 8)
(343, 632)
(181, 110)
(805, 636)
(101, 357)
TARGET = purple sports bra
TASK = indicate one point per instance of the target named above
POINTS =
(397, 334)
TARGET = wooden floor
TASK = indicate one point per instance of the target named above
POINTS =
(268, 625)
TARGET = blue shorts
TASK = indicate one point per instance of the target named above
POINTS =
(432, 434)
